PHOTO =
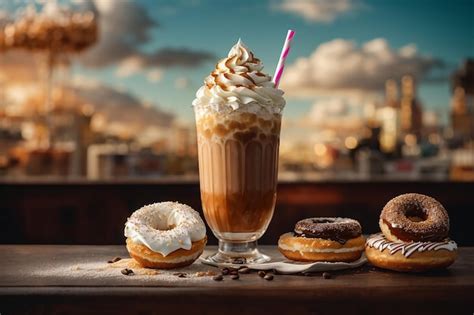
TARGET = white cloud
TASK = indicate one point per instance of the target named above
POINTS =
(322, 11)
(129, 66)
(82, 81)
(122, 107)
(340, 65)
(118, 106)
(162, 58)
(155, 75)
(182, 83)
(124, 26)
(336, 112)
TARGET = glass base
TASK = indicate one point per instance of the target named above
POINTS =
(245, 253)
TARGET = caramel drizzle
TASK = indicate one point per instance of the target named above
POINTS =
(379, 242)
(228, 64)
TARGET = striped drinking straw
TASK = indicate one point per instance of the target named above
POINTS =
(284, 54)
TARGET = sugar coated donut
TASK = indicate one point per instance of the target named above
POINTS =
(323, 239)
(414, 217)
(165, 235)
(409, 256)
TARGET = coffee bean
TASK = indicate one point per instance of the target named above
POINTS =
(268, 277)
(244, 270)
(233, 272)
(218, 278)
(113, 260)
(326, 275)
(127, 272)
(261, 273)
(307, 274)
(180, 274)
(234, 277)
(225, 271)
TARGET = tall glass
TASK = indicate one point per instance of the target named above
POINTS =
(238, 170)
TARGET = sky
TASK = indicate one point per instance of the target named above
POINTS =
(161, 51)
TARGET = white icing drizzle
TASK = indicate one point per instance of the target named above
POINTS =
(378, 241)
(165, 227)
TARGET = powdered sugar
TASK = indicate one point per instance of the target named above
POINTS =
(111, 273)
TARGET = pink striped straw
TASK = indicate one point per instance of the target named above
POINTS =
(284, 54)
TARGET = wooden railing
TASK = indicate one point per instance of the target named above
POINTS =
(82, 212)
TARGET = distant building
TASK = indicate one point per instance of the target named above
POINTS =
(462, 101)
(410, 108)
(389, 118)
(391, 94)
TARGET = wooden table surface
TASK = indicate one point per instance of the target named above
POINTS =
(26, 289)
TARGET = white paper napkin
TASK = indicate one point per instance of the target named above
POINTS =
(291, 267)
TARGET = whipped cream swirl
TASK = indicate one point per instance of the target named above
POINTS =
(239, 83)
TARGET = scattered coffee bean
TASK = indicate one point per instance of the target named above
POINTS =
(326, 275)
(113, 260)
(307, 274)
(225, 271)
(268, 277)
(261, 273)
(234, 277)
(218, 278)
(180, 274)
(127, 272)
(233, 272)
(244, 270)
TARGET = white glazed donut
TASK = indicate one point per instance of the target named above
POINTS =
(165, 235)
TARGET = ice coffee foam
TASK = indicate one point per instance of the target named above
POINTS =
(238, 84)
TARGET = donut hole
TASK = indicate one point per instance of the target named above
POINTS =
(162, 225)
(416, 214)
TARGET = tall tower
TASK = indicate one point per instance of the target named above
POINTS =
(458, 101)
(391, 94)
(388, 116)
(410, 108)
(462, 102)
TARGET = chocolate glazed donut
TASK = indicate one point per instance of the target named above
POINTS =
(323, 239)
(414, 217)
(335, 229)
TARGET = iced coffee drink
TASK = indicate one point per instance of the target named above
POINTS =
(238, 117)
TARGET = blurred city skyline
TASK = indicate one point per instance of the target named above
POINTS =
(369, 84)
(160, 51)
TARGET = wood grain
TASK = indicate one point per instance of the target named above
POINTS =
(363, 291)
